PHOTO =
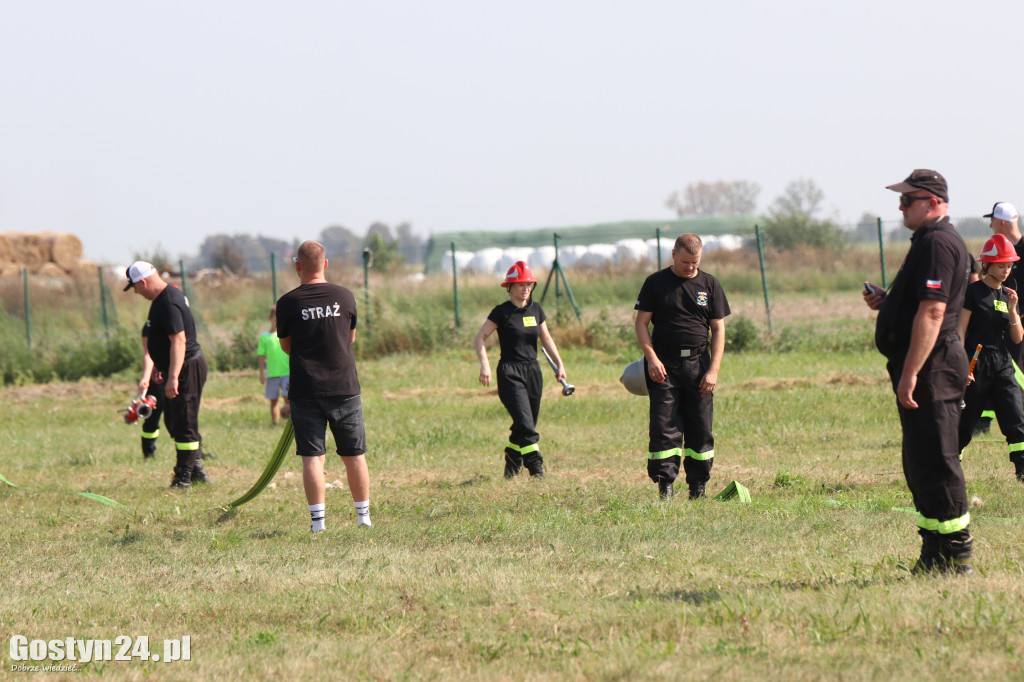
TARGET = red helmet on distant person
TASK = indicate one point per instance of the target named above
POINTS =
(998, 249)
(520, 272)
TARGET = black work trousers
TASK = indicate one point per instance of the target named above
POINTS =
(931, 456)
(181, 413)
(520, 385)
(680, 416)
(995, 386)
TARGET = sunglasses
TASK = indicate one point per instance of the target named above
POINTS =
(906, 201)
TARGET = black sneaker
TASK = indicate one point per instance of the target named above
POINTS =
(665, 490)
(180, 484)
(697, 491)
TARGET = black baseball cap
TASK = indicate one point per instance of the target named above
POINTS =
(923, 179)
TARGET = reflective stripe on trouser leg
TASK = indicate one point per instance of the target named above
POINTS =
(944, 527)
(151, 435)
(664, 465)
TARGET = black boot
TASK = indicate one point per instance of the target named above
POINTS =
(199, 474)
(956, 554)
(513, 463)
(982, 426)
(534, 463)
(930, 560)
(1018, 465)
(697, 491)
(665, 491)
(183, 469)
(148, 448)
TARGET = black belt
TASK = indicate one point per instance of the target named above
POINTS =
(194, 356)
(691, 352)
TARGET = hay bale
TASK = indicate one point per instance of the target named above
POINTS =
(86, 272)
(30, 249)
(65, 249)
(50, 270)
(6, 249)
(11, 269)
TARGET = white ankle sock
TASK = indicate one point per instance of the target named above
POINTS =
(363, 513)
(316, 516)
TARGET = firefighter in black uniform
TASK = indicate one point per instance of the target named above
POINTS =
(916, 330)
(174, 351)
(681, 365)
(991, 318)
(520, 321)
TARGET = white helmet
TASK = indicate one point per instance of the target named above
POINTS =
(633, 378)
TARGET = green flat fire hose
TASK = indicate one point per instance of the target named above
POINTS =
(99, 498)
(272, 466)
(4, 480)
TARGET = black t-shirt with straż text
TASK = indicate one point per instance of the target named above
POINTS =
(319, 319)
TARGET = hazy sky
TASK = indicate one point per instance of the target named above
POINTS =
(137, 123)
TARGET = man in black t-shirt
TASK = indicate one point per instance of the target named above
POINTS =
(172, 349)
(681, 365)
(916, 330)
(316, 323)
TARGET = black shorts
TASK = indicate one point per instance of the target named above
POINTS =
(344, 414)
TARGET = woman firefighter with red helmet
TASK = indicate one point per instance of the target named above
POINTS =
(990, 319)
(520, 321)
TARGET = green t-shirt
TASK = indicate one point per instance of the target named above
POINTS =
(277, 359)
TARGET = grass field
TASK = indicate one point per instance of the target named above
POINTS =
(583, 575)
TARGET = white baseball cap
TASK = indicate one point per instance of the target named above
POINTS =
(1002, 210)
(138, 271)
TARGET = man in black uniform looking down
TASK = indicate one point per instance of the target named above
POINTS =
(916, 330)
(170, 341)
(681, 365)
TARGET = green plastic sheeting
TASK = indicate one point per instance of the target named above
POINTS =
(734, 490)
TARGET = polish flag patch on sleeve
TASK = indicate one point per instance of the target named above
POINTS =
(933, 283)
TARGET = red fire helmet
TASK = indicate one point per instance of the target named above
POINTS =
(998, 249)
(519, 272)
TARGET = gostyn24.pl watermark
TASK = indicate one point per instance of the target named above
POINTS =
(27, 654)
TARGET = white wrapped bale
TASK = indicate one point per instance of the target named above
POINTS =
(666, 250)
(462, 259)
(510, 257)
(483, 261)
(542, 258)
(569, 256)
(630, 252)
(597, 255)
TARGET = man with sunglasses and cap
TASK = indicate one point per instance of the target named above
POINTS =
(916, 330)
(172, 349)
